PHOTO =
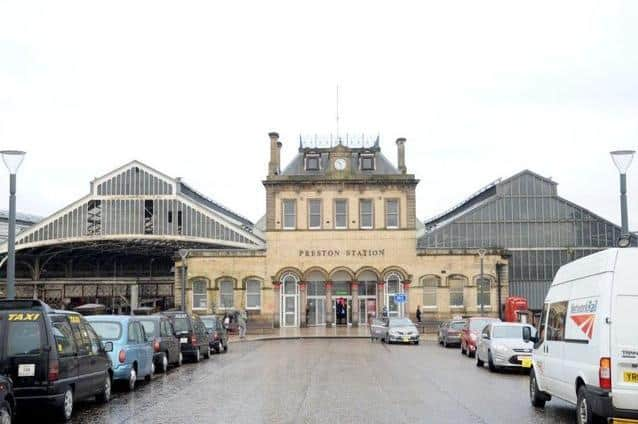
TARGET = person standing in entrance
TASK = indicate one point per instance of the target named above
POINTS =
(418, 314)
(241, 323)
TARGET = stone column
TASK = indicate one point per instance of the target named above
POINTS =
(329, 307)
(303, 304)
(406, 305)
(380, 298)
(354, 286)
(277, 301)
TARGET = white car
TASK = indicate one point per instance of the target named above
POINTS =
(505, 345)
(587, 349)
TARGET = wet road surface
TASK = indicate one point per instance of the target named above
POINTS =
(327, 381)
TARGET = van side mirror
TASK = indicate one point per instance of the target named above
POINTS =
(108, 347)
(527, 335)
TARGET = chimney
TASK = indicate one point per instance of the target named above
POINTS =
(275, 147)
(401, 155)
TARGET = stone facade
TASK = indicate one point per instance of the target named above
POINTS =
(340, 237)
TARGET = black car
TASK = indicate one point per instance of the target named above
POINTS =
(191, 334)
(217, 334)
(7, 401)
(166, 348)
(52, 357)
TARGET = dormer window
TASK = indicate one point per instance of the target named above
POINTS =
(366, 162)
(312, 162)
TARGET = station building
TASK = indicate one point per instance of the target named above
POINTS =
(340, 245)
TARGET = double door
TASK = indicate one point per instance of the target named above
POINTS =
(316, 310)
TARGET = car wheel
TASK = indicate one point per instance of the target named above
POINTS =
(490, 362)
(105, 395)
(132, 379)
(5, 413)
(66, 407)
(226, 347)
(479, 363)
(535, 396)
(584, 413)
(197, 357)
(148, 377)
(164, 367)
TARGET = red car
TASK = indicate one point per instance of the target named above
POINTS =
(471, 332)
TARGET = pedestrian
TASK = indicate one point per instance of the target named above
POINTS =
(418, 313)
(226, 321)
(241, 322)
(384, 313)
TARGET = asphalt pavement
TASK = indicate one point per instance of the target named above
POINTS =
(327, 381)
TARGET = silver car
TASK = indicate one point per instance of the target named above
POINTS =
(391, 330)
(502, 345)
(450, 332)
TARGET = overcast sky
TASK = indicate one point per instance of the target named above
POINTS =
(481, 90)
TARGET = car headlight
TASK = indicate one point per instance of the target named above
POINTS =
(500, 348)
(393, 333)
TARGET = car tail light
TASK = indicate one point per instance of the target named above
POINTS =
(54, 370)
(122, 356)
(193, 339)
(604, 373)
(156, 345)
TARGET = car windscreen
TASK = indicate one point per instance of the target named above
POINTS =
(182, 325)
(457, 325)
(479, 324)
(149, 327)
(209, 323)
(107, 330)
(401, 322)
(509, 332)
(24, 338)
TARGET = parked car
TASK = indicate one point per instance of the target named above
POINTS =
(217, 334)
(587, 349)
(450, 332)
(399, 330)
(471, 332)
(132, 354)
(378, 329)
(53, 358)
(7, 400)
(166, 348)
(505, 345)
(192, 335)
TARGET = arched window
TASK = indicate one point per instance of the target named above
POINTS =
(483, 291)
(457, 284)
(430, 284)
(253, 294)
(200, 296)
(393, 287)
(290, 283)
(226, 294)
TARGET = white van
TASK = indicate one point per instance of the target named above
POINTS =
(586, 351)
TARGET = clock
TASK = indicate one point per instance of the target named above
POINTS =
(340, 164)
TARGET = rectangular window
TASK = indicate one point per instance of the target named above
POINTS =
(456, 291)
(148, 216)
(556, 321)
(392, 213)
(200, 297)
(482, 292)
(367, 162)
(226, 294)
(312, 163)
(341, 214)
(179, 222)
(314, 214)
(289, 214)
(430, 284)
(94, 217)
(253, 294)
(366, 214)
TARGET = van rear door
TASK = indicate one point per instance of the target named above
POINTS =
(624, 337)
(24, 357)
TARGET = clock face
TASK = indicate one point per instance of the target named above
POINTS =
(340, 164)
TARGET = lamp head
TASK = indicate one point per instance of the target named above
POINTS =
(12, 159)
(622, 159)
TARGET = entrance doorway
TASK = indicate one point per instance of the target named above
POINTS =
(316, 310)
(289, 301)
(343, 310)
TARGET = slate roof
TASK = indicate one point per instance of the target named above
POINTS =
(382, 165)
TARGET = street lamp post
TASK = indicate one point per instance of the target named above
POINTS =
(183, 253)
(482, 253)
(622, 159)
(12, 160)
